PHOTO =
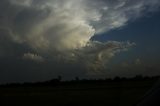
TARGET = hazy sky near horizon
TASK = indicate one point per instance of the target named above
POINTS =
(41, 39)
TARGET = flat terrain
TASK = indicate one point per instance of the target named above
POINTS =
(124, 93)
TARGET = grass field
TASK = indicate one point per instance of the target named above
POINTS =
(124, 93)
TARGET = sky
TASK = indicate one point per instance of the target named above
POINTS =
(42, 39)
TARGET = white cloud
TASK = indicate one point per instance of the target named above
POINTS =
(65, 25)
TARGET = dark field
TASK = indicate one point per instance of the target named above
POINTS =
(123, 93)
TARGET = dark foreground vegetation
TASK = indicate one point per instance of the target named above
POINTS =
(97, 92)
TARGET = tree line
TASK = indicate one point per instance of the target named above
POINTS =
(58, 81)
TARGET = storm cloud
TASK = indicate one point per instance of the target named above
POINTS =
(62, 30)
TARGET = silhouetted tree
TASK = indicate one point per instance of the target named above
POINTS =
(77, 78)
(138, 77)
(117, 78)
(60, 78)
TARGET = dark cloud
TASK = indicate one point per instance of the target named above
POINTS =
(60, 31)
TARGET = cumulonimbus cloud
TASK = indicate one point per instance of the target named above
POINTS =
(64, 28)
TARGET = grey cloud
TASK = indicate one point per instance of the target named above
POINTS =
(139, 66)
(96, 55)
(33, 57)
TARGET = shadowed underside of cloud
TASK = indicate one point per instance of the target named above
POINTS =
(61, 30)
